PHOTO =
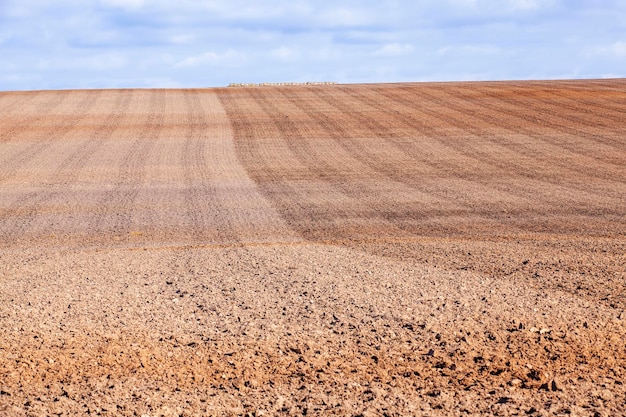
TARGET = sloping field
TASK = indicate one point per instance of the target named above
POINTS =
(392, 249)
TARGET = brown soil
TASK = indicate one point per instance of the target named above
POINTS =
(400, 249)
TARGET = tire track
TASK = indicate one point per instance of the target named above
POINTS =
(528, 98)
(483, 208)
(210, 219)
(27, 208)
(14, 163)
(114, 218)
(537, 116)
(420, 141)
(543, 172)
(580, 103)
(510, 194)
(569, 147)
(590, 156)
(355, 199)
(580, 193)
(330, 189)
(493, 117)
(531, 192)
(392, 212)
(585, 86)
(70, 168)
(399, 173)
(464, 128)
(224, 204)
(17, 217)
(602, 129)
(59, 134)
(430, 199)
(303, 207)
(16, 103)
(54, 99)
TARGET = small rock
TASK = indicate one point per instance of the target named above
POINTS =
(515, 382)
(607, 395)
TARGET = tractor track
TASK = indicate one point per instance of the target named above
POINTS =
(467, 125)
(531, 169)
(15, 162)
(540, 112)
(116, 205)
(17, 218)
(210, 221)
(485, 160)
(410, 146)
(530, 118)
(292, 139)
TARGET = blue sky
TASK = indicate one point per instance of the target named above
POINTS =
(46, 44)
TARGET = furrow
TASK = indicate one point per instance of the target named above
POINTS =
(27, 150)
(18, 217)
(558, 122)
(114, 219)
(419, 167)
(306, 205)
(470, 121)
(28, 119)
(525, 119)
(208, 223)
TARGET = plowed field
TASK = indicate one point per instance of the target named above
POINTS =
(387, 249)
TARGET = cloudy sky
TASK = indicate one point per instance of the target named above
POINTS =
(55, 44)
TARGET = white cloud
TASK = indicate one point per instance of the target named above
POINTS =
(181, 39)
(469, 50)
(98, 62)
(284, 53)
(327, 53)
(463, 3)
(4, 36)
(345, 16)
(617, 49)
(500, 7)
(525, 4)
(124, 4)
(394, 49)
(227, 58)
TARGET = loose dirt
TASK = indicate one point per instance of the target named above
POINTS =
(387, 249)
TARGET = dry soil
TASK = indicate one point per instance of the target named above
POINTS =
(389, 249)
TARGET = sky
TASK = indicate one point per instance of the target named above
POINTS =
(75, 44)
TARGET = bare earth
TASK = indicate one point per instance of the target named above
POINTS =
(401, 249)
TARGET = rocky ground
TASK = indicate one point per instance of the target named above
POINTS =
(402, 249)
